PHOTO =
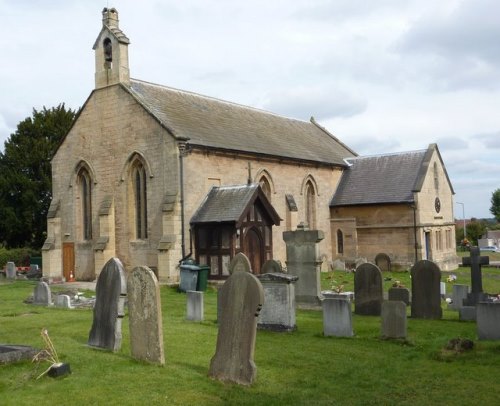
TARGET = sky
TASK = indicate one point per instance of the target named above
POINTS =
(383, 76)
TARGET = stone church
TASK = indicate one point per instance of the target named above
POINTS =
(153, 174)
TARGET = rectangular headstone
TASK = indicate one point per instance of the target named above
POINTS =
(442, 289)
(42, 294)
(399, 295)
(111, 291)
(368, 292)
(337, 317)
(63, 301)
(488, 320)
(425, 290)
(467, 313)
(194, 305)
(394, 324)
(145, 320)
(458, 295)
(11, 270)
(278, 311)
(330, 294)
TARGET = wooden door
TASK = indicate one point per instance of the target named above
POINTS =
(254, 249)
(68, 260)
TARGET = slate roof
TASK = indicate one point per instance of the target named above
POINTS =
(227, 204)
(212, 123)
(382, 179)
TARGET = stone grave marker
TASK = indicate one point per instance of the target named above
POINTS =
(271, 266)
(63, 301)
(144, 312)
(458, 295)
(399, 294)
(42, 294)
(111, 291)
(303, 261)
(425, 290)
(368, 292)
(240, 263)
(394, 324)
(488, 320)
(467, 313)
(194, 304)
(11, 270)
(337, 317)
(475, 261)
(241, 298)
(278, 311)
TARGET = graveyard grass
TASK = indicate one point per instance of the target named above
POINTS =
(298, 368)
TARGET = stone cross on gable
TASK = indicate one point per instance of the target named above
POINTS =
(475, 261)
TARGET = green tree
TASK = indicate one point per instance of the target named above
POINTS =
(495, 204)
(26, 181)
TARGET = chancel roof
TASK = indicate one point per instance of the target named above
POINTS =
(212, 123)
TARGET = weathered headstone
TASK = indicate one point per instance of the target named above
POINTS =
(278, 311)
(475, 261)
(331, 294)
(302, 260)
(111, 291)
(399, 294)
(458, 295)
(338, 265)
(337, 317)
(467, 313)
(42, 295)
(394, 319)
(63, 301)
(368, 293)
(425, 290)
(271, 266)
(488, 320)
(194, 305)
(240, 263)
(144, 312)
(442, 289)
(11, 270)
(241, 298)
(383, 261)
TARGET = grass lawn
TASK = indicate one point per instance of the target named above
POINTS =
(299, 368)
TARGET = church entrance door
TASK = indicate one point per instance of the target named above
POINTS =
(68, 260)
(254, 249)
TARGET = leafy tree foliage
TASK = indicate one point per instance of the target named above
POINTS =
(26, 181)
(495, 204)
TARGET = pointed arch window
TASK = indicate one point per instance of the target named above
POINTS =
(436, 176)
(139, 187)
(266, 187)
(310, 204)
(340, 242)
(85, 183)
(108, 51)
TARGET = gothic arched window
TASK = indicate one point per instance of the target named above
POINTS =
(310, 201)
(340, 242)
(266, 187)
(140, 200)
(85, 184)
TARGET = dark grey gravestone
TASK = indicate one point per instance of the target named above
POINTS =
(278, 311)
(458, 295)
(271, 266)
(10, 354)
(111, 291)
(488, 320)
(368, 293)
(241, 298)
(425, 290)
(144, 312)
(42, 295)
(11, 270)
(303, 261)
(475, 261)
(467, 313)
(194, 305)
(394, 319)
(337, 317)
(399, 295)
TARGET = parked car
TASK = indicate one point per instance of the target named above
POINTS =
(489, 248)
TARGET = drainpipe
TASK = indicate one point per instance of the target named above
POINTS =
(414, 207)
(183, 149)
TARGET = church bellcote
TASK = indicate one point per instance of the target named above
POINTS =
(111, 52)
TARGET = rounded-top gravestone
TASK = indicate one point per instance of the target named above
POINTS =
(368, 293)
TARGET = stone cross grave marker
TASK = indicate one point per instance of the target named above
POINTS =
(368, 292)
(425, 290)
(11, 271)
(475, 261)
(240, 298)
(144, 312)
(111, 290)
(42, 294)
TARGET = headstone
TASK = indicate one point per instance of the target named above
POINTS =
(241, 298)
(111, 291)
(383, 261)
(240, 263)
(368, 293)
(337, 317)
(278, 311)
(144, 312)
(338, 265)
(394, 324)
(425, 290)
(10, 354)
(302, 260)
(331, 294)
(467, 313)
(42, 295)
(63, 301)
(271, 266)
(11, 270)
(458, 295)
(194, 305)
(488, 320)
(475, 261)
(442, 289)
(399, 294)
